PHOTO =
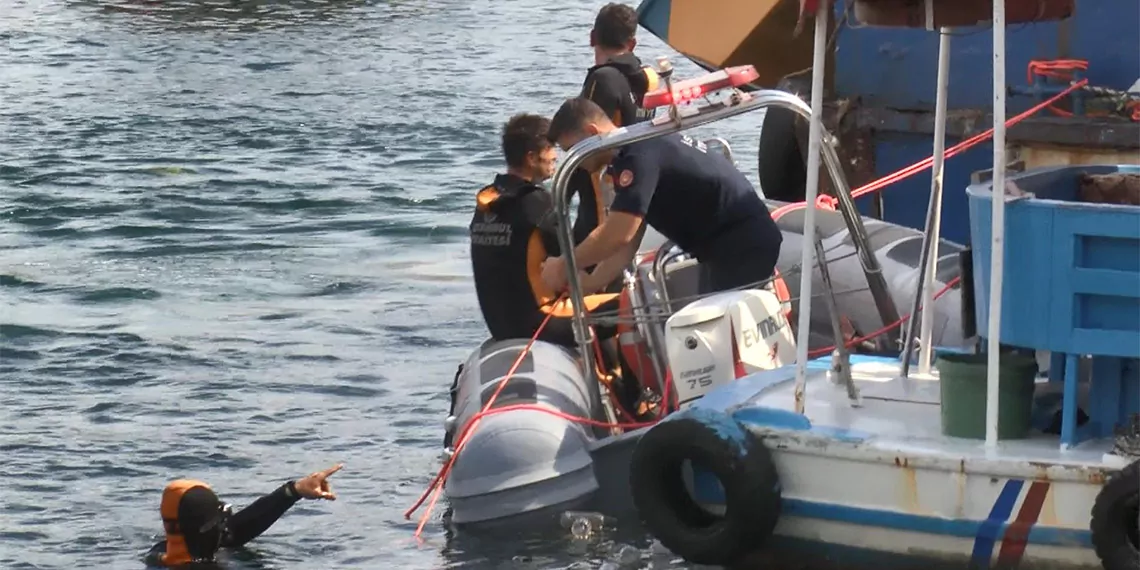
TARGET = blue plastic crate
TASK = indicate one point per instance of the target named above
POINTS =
(1072, 269)
(1071, 286)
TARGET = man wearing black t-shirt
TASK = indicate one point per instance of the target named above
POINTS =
(617, 83)
(697, 199)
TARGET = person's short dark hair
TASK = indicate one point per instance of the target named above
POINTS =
(523, 134)
(615, 25)
(573, 116)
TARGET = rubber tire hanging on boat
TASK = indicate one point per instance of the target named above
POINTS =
(782, 169)
(1114, 520)
(741, 463)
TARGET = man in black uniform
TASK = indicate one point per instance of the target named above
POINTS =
(513, 230)
(699, 200)
(617, 83)
(197, 523)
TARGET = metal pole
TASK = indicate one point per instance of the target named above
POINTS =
(815, 139)
(997, 241)
(924, 293)
(926, 344)
(665, 125)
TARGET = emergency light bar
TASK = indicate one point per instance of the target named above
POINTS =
(684, 91)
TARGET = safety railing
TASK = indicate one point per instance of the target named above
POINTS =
(676, 121)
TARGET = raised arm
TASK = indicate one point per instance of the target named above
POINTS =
(250, 522)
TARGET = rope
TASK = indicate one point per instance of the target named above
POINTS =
(1064, 70)
(823, 351)
(823, 202)
(604, 372)
(436, 486)
(921, 165)
(437, 483)
(1060, 69)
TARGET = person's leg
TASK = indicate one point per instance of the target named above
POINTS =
(607, 309)
(747, 269)
(627, 388)
(559, 330)
(705, 279)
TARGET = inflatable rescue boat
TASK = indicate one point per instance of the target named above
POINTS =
(536, 427)
(526, 459)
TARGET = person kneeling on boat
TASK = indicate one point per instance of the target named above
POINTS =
(198, 523)
(514, 228)
(696, 199)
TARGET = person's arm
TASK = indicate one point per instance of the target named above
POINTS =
(635, 178)
(605, 87)
(153, 556)
(611, 267)
(248, 523)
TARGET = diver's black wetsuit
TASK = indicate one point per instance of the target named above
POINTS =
(239, 528)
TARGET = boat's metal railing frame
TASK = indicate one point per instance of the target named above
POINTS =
(676, 121)
(924, 296)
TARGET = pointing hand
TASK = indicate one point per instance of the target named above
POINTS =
(316, 486)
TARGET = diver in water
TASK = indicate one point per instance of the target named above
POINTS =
(198, 523)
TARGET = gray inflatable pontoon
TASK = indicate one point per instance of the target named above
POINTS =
(527, 462)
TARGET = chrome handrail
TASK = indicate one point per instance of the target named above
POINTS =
(675, 122)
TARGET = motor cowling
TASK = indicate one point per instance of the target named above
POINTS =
(720, 338)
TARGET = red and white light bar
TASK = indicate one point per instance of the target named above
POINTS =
(730, 77)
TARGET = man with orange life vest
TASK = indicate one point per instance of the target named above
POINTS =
(617, 83)
(698, 200)
(197, 523)
(513, 230)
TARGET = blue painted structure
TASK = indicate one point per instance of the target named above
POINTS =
(892, 73)
(1071, 286)
(897, 69)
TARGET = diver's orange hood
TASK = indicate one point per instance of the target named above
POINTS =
(176, 552)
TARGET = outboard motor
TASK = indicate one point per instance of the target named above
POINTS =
(720, 338)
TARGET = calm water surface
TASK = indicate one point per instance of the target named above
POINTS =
(232, 247)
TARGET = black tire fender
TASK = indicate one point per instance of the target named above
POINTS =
(781, 168)
(1116, 520)
(739, 460)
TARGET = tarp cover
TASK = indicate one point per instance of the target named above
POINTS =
(1118, 188)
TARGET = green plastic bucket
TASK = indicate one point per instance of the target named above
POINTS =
(962, 379)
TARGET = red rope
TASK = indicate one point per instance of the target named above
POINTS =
(823, 351)
(565, 416)
(1060, 69)
(823, 202)
(927, 162)
(435, 489)
(437, 483)
(600, 359)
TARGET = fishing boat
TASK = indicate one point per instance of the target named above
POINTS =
(536, 428)
(977, 459)
(879, 89)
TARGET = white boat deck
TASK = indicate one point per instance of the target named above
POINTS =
(896, 416)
